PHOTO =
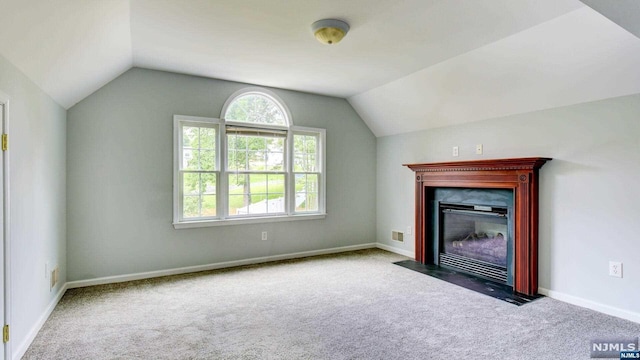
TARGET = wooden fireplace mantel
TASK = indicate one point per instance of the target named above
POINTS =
(519, 174)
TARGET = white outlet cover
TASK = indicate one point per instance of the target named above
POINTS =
(479, 149)
(456, 151)
(615, 269)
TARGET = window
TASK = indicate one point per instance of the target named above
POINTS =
(306, 171)
(256, 107)
(198, 174)
(256, 171)
(252, 165)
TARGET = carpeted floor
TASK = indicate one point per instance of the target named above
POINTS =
(355, 305)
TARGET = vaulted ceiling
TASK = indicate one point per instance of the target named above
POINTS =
(405, 65)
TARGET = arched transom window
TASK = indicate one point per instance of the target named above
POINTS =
(252, 165)
(256, 108)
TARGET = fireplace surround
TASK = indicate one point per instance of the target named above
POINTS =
(518, 175)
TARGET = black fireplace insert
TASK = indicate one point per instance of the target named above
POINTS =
(475, 239)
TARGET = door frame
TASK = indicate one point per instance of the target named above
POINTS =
(6, 261)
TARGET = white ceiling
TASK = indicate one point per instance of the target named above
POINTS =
(404, 66)
(70, 48)
(270, 42)
(575, 58)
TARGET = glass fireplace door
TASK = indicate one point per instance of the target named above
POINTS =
(475, 239)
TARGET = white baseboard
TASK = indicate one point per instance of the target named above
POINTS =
(221, 265)
(396, 250)
(605, 309)
(19, 351)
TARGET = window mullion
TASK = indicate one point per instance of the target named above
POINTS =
(178, 188)
(290, 186)
(200, 194)
(321, 146)
(223, 188)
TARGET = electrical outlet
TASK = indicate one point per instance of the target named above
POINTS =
(479, 149)
(264, 235)
(408, 230)
(455, 151)
(615, 269)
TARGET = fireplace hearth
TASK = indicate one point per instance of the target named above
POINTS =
(480, 217)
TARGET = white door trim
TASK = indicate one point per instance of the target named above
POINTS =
(4, 99)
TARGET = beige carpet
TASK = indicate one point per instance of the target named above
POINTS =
(354, 305)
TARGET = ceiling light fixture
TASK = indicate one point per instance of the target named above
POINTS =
(329, 31)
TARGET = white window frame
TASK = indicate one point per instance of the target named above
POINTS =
(321, 133)
(222, 196)
(178, 188)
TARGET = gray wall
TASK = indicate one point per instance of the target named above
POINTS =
(37, 193)
(119, 179)
(589, 195)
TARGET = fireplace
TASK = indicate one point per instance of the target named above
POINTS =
(475, 239)
(471, 231)
(480, 217)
